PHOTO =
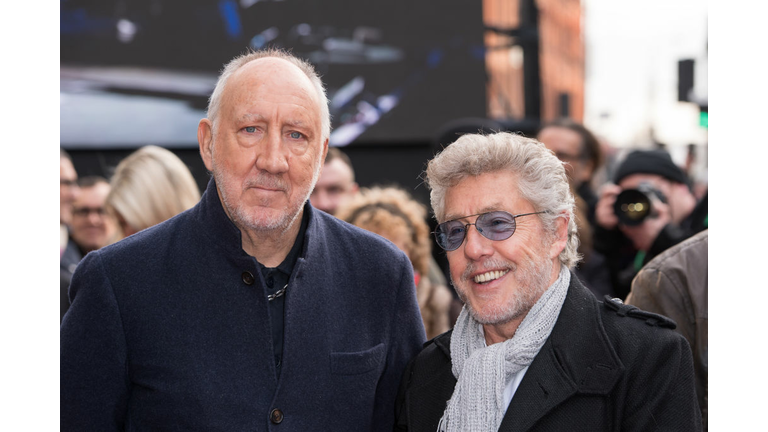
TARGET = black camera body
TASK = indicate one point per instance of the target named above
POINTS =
(633, 206)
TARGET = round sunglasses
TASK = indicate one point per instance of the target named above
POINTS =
(495, 225)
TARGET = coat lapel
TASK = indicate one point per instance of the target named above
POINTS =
(544, 386)
(431, 397)
(576, 358)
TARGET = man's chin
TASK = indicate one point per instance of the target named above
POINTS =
(260, 223)
(264, 219)
(494, 315)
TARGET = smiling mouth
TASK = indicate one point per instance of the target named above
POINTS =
(489, 276)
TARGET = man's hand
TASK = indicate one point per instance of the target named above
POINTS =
(604, 214)
(645, 234)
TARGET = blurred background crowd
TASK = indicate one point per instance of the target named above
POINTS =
(617, 92)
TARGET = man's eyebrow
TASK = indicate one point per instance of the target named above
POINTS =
(296, 123)
(251, 117)
(486, 209)
(248, 117)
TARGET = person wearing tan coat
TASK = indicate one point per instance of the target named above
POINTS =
(675, 284)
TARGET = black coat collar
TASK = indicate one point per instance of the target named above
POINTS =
(576, 358)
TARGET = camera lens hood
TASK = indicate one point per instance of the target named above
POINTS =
(632, 206)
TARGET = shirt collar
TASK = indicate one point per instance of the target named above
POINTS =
(289, 262)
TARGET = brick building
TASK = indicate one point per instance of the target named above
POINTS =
(561, 59)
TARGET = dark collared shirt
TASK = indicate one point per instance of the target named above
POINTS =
(275, 278)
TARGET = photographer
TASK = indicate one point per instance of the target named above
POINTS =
(660, 212)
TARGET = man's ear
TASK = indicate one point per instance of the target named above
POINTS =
(325, 151)
(561, 235)
(205, 141)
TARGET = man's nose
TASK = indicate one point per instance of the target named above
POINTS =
(272, 157)
(475, 245)
(95, 217)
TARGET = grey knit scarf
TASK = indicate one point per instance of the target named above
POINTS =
(482, 372)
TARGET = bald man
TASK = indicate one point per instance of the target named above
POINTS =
(252, 310)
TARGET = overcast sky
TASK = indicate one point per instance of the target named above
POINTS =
(632, 49)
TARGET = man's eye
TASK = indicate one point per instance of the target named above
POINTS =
(296, 135)
(250, 129)
(457, 229)
(498, 221)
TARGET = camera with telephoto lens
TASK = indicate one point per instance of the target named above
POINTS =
(633, 206)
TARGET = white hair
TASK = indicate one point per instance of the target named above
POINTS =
(541, 178)
(214, 103)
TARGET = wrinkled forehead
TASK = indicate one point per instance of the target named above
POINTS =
(272, 76)
(484, 193)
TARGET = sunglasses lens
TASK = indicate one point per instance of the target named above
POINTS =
(498, 225)
(450, 235)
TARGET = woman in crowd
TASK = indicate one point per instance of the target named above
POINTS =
(148, 187)
(394, 215)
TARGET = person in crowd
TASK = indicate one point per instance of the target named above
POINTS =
(393, 214)
(336, 184)
(575, 145)
(150, 186)
(578, 148)
(674, 284)
(533, 349)
(68, 191)
(91, 227)
(675, 215)
(68, 253)
(252, 310)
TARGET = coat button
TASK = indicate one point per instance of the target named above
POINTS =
(276, 416)
(248, 278)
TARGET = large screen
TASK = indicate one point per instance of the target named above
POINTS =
(136, 72)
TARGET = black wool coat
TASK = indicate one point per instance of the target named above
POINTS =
(605, 367)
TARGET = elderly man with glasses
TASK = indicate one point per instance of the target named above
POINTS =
(68, 191)
(91, 228)
(533, 349)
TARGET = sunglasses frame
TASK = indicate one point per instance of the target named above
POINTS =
(479, 215)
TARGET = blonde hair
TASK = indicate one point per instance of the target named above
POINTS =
(541, 178)
(214, 103)
(151, 185)
(392, 211)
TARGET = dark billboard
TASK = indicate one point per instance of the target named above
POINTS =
(140, 72)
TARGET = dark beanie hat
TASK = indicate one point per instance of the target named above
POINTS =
(650, 162)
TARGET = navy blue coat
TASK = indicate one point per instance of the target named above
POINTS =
(165, 333)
